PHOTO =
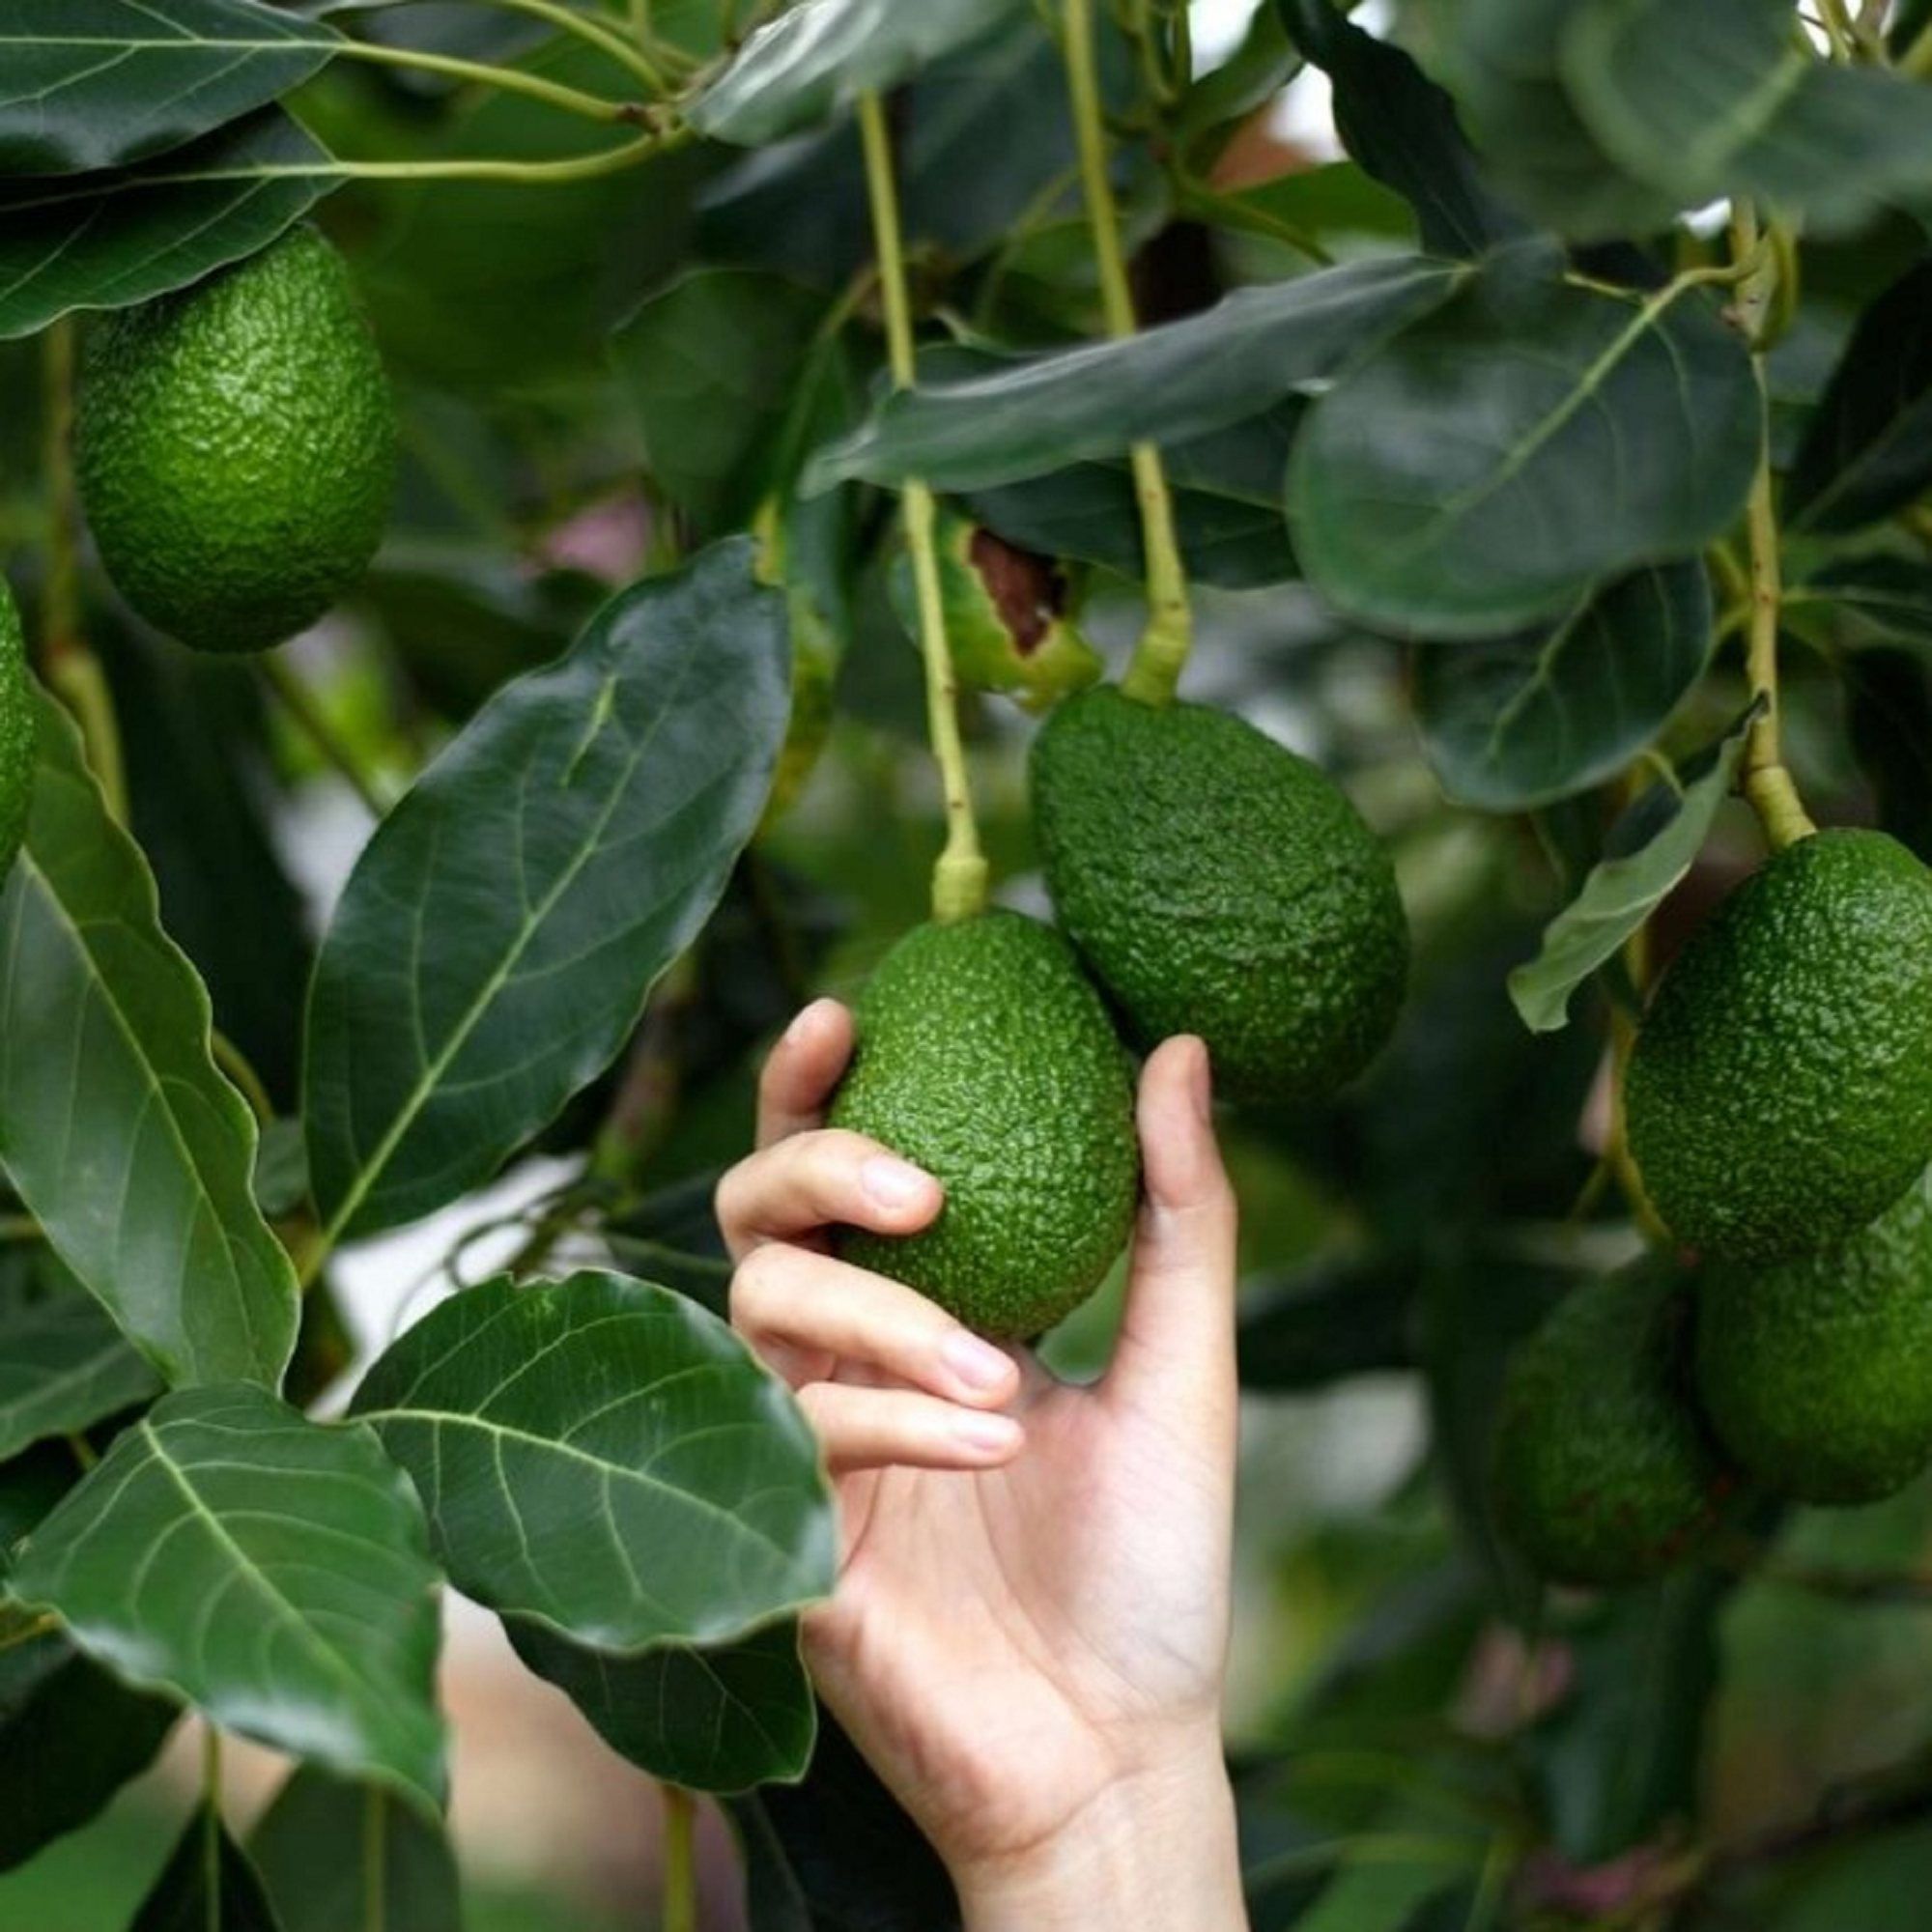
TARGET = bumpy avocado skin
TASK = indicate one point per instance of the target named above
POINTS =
(1816, 1372)
(18, 732)
(235, 446)
(1605, 1473)
(985, 1055)
(1219, 883)
(1779, 1094)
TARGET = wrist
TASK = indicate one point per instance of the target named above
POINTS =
(1151, 1847)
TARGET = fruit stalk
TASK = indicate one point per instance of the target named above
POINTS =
(1161, 654)
(959, 877)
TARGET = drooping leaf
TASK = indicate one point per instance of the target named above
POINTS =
(1868, 450)
(496, 942)
(1512, 723)
(90, 84)
(1623, 889)
(206, 1885)
(326, 1848)
(131, 1150)
(817, 57)
(65, 1366)
(71, 1735)
(1528, 440)
(272, 1570)
(605, 1456)
(724, 1717)
(1402, 127)
(108, 240)
(1169, 383)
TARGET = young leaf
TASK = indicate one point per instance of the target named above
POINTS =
(1169, 383)
(272, 1570)
(602, 1455)
(106, 241)
(65, 1366)
(817, 57)
(206, 1885)
(722, 1717)
(496, 942)
(87, 84)
(1623, 891)
(131, 1150)
(1526, 440)
(1512, 723)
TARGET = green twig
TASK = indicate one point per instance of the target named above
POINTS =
(302, 705)
(234, 1063)
(597, 33)
(509, 79)
(680, 1912)
(959, 877)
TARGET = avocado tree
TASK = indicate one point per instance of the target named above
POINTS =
(794, 406)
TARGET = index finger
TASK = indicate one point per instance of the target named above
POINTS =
(802, 1069)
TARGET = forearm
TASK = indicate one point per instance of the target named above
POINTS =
(1156, 1849)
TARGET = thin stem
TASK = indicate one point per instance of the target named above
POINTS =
(234, 1063)
(1161, 653)
(679, 1912)
(605, 39)
(1916, 61)
(374, 1860)
(959, 877)
(210, 1826)
(510, 79)
(316, 724)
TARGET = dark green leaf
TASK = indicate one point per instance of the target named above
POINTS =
(817, 57)
(1512, 723)
(724, 1717)
(1890, 597)
(605, 1456)
(1526, 440)
(272, 1570)
(1868, 449)
(1727, 98)
(1167, 383)
(1889, 721)
(1333, 1319)
(207, 1886)
(1622, 891)
(1402, 127)
(709, 365)
(325, 1849)
(134, 1152)
(108, 241)
(89, 84)
(65, 1366)
(71, 1736)
(496, 940)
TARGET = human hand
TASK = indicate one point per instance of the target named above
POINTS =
(1029, 1632)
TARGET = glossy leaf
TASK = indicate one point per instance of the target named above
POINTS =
(131, 1150)
(272, 1570)
(325, 1849)
(1622, 891)
(206, 1885)
(604, 1456)
(88, 84)
(1868, 450)
(1169, 383)
(65, 1366)
(1512, 723)
(1528, 441)
(1885, 596)
(1724, 98)
(495, 943)
(817, 57)
(722, 1718)
(110, 240)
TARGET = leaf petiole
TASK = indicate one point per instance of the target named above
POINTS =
(509, 79)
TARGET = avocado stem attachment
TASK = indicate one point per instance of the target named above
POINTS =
(960, 880)
(1161, 654)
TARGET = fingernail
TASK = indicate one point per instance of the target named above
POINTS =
(977, 1363)
(893, 1184)
(802, 1022)
(992, 1435)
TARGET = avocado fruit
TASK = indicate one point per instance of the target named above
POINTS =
(1817, 1371)
(1605, 1473)
(1778, 1095)
(1217, 883)
(19, 735)
(985, 1056)
(235, 446)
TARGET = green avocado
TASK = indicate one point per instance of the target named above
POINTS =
(1817, 1371)
(985, 1056)
(17, 733)
(1605, 1473)
(235, 446)
(1780, 1092)
(1217, 883)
